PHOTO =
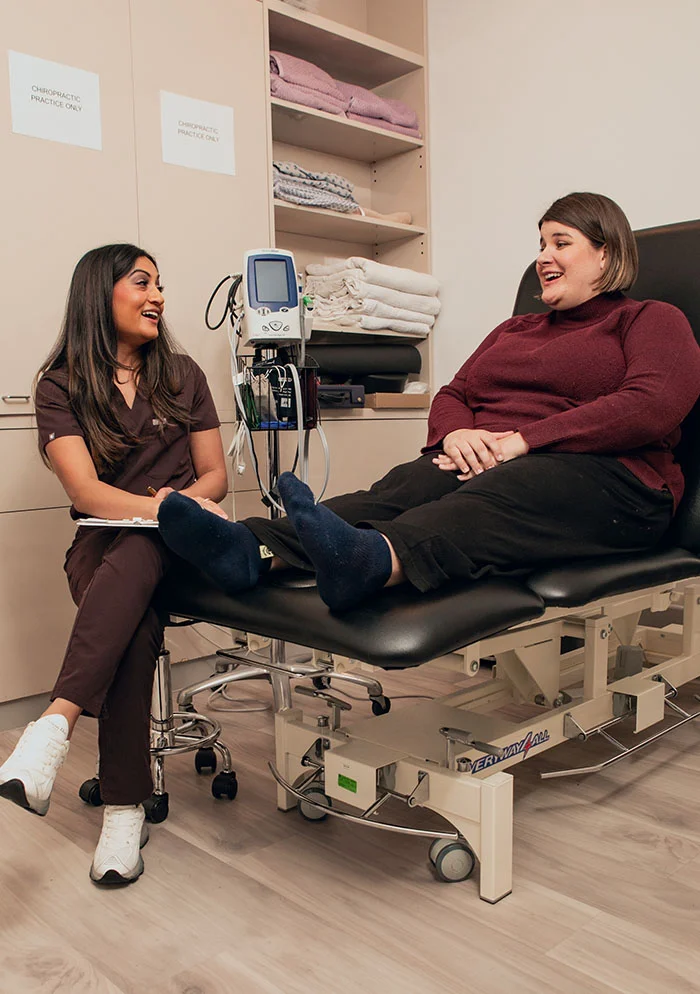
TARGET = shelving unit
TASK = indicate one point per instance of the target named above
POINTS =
(322, 223)
(335, 135)
(345, 53)
(380, 46)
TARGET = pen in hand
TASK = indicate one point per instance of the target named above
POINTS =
(151, 491)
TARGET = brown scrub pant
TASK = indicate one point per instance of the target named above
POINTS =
(110, 660)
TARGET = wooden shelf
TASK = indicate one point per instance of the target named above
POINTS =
(344, 53)
(371, 414)
(322, 328)
(321, 223)
(306, 127)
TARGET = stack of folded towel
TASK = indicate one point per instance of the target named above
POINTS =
(361, 293)
(297, 185)
(302, 82)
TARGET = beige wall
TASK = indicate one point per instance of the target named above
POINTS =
(530, 100)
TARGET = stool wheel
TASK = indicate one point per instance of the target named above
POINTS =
(225, 785)
(381, 705)
(90, 792)
(310, 813)
(205, 760)
(156, 808)
(453, 861)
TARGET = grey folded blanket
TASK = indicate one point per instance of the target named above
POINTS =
(297, 185)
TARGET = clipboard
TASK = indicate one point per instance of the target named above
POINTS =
(117, 523)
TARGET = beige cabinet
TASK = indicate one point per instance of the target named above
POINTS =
(36, 611)
(362, 451)
(27, 484)
(59, 200)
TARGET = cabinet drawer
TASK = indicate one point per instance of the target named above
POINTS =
(25, 483)
(361, 451)
(36, 610)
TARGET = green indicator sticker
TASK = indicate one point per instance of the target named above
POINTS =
(347, 783)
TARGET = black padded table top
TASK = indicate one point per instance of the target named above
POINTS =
(398, 628)
(589, 579)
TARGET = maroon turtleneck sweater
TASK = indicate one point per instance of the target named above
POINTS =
(612, 376)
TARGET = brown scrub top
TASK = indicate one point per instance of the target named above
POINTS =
(162, 458)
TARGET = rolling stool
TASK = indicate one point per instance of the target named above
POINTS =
(174, 732)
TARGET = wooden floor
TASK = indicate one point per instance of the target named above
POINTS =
(238, 897)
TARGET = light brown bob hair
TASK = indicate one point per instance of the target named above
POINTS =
(603, 223)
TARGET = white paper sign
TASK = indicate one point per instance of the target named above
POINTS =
(197, 134)
(53, 101)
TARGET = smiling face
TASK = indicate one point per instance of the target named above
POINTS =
(568, 266)
(137, 306)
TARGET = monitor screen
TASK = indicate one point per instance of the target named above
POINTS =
(271, 281)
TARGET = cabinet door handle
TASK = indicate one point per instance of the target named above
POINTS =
(16, 398)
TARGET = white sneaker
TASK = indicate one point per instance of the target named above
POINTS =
(27, 776)
(118, 858)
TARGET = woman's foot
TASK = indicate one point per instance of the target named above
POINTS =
(27, 776)
(118, 857)
(350, 563)
(226, 551)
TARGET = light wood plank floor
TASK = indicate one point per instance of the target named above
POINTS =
(238, 897)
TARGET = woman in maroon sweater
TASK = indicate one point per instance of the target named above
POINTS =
(554, 441)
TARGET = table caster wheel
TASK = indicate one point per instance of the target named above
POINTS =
(156, 808)
(205, 760)
(381, 705)
(309, 812)
(90, 792)
(453, 861)
(435, 846)
(225, 785)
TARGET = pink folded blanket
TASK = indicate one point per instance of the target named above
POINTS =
(298, 94)
(369, 104)
(303, 73)
(377, 123)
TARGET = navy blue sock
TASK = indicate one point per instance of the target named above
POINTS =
(351, 563)
(226, 551)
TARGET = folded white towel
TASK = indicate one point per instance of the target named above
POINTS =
(345, 283)
(376, 272)
(332, 308)
(383, 324)
(376, 309)
(419, 302)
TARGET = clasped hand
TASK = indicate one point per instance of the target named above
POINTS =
(470, 451)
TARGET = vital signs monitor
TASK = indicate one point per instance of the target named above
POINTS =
(271, 311)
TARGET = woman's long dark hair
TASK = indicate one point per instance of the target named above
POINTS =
(87, 351)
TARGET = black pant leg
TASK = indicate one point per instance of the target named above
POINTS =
(406, 486)
(540, 509)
